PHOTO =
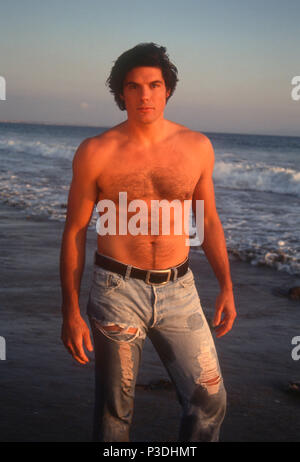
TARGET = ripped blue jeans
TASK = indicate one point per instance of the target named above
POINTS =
(122, 312)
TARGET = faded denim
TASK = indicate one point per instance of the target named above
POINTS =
(172, 317)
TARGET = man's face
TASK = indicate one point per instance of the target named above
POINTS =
(145, 94)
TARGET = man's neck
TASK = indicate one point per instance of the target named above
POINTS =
(147, 134)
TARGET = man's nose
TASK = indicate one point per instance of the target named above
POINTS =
(145, 94)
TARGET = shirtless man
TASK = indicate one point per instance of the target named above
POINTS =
(149, 158)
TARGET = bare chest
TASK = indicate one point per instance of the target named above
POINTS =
(154, 175)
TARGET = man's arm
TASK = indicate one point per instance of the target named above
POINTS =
(214, 244)
(81, 201)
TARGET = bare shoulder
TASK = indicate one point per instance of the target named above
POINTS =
(192, 137)
(196, 142)
(98, 144)
(93, 152)
(203, 148)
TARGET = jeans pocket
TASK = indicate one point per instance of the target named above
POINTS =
(188, 279)
(106, 280)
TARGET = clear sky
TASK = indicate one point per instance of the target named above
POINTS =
(236, 60)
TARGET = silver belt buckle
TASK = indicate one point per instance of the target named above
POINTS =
(158, 271)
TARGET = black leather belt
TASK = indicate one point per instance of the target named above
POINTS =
(156, 277)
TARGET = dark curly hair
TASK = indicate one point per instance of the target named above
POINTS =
(143, 54)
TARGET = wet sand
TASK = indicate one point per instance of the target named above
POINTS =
(46, 396)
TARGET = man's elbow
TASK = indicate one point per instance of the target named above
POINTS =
(211, 228)
(211, 221)
(75, 230)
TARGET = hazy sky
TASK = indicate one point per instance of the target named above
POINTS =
(236, 60)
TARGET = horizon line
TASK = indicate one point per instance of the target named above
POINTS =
(57, 124)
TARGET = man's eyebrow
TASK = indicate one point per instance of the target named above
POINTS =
(131, 82)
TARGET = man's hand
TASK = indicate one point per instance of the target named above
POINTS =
(74, 334)
(224, 306)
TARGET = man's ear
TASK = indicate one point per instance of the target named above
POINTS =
(121, 96)
(168, 92)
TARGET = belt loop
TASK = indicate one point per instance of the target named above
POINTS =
(175, 274)
(128, 271)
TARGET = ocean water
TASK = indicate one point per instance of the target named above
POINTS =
(257, 185)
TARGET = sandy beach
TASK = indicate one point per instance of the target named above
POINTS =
(46, 396)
